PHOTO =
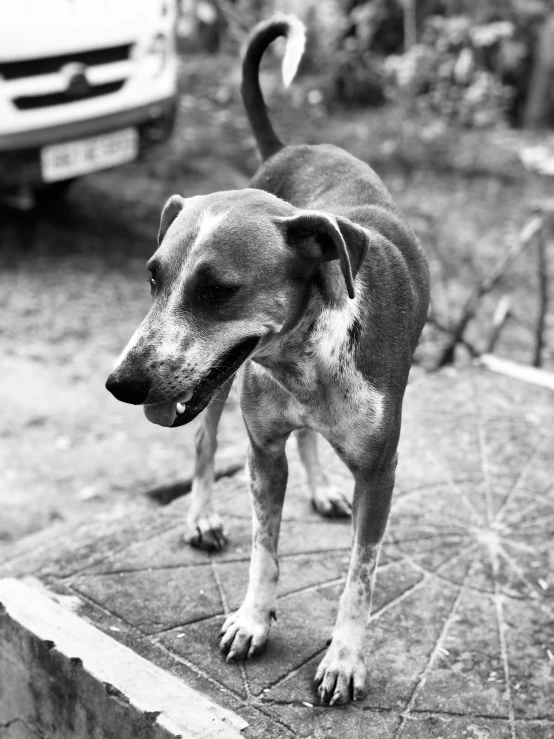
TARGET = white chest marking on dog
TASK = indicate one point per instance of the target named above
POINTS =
(332, 330)
(335, 356)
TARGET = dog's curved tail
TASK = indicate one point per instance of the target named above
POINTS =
(260, 38)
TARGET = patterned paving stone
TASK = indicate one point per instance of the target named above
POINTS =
(401, 643)
(414, 469)
(534, 729)
(393, 582)
(510, 445)
(320, 723)
(496, 395)
(169, 550)
(529, 637)
(466, 675)
(461, 639)
(199, 645)
(450, 393)
(443, 441)
(153, 600)
(399, 646)
(443, 726)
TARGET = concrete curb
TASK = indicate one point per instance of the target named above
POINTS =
(62, 677)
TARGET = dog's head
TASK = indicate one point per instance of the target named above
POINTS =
(230, 274)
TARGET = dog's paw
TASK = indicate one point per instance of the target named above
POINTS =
(332, 502)
(244, 634)
(206, 533)
(341, 676)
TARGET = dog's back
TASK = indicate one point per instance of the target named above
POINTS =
(326, 178)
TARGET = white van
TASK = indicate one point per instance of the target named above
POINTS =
(84, 85)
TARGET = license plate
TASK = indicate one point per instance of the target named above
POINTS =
(73, 158)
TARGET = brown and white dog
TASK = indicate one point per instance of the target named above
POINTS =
(312, 282)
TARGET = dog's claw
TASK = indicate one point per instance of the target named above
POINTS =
(242, 647)
(340, 677)
(206, 533)
(243, 635)
(358, 693)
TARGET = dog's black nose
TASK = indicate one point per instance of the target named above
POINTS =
(128, 389)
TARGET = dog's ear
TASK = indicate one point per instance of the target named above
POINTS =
(323, 237)
(170, 212)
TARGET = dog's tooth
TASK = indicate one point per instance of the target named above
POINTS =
(180, 408)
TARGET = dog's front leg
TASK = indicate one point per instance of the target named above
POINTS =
(341, 676)
(245, 632)
(204, 525)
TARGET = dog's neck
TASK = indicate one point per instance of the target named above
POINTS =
(315, 349)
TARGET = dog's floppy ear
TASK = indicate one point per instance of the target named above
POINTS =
(170, 212)
(323, 237)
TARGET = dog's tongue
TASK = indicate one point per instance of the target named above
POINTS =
(161, 413)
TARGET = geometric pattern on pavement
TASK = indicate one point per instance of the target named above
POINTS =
(461, 640)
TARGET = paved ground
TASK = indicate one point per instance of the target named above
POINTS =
(461, 642)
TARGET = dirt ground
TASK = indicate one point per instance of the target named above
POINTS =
(73, 286)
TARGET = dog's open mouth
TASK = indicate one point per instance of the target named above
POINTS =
(186, 407)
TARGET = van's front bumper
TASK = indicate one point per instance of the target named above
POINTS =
(20, 162)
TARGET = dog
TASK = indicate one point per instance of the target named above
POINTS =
(313, 284)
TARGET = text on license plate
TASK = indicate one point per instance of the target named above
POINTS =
(73, 158)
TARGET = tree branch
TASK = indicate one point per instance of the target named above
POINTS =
(501, 315)
(542, 275)
(528, 232)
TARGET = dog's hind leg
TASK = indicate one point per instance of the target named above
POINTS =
(328, 500)
(204, 526)
(341, 676)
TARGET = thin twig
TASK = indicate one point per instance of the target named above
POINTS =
(543, 300)
(528, 232)
(434, 321)
(501, 315)
(470, 347)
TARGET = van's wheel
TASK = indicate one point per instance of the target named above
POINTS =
(54, 192)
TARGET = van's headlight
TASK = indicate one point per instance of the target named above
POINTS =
(155, 55)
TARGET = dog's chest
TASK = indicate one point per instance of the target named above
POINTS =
(323, 388)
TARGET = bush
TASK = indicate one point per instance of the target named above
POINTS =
(371, 30)
(449, 73)
(472, 67)
(358, 78)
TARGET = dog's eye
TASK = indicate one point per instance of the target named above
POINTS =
(213, 293)
(153, 282)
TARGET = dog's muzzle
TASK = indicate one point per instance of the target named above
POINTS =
(185, 408)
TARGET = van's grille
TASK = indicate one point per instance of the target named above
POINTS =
(29, 102)
(52, 64)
